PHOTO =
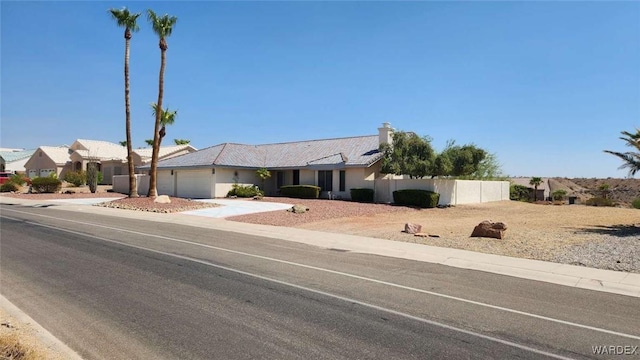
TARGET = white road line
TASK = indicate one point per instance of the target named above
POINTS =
(319, 292)
(478, 303)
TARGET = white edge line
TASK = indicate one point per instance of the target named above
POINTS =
(319, 292)
(496, 307)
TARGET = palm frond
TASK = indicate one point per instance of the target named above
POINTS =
(125, 19)
(162, 25)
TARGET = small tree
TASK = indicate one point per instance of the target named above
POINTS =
(149, 142)
(410, 155)
(559, 195)
(535, 182)
(604, 190)
(123, 143)
(181, 141)
(263, 174)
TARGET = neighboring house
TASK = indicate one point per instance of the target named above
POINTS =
(111, 158)
(544, 191)
(14, 161)
(48, 159)
(335, 165)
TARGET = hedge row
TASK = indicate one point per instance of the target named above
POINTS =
(362, 195)
(420, 198)
(300, 191)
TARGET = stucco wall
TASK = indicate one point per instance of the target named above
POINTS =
(452, 192)
(225, 178)
(121, 184)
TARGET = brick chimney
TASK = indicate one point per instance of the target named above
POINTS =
(385, 134)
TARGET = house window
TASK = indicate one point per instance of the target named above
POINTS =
(296, 177)
(325, 180)
(343, 180)
(279, 179)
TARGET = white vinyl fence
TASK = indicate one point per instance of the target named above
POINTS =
(452, 192)
(121, 184)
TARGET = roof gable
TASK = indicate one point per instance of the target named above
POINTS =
(98, 149)
(57, 154)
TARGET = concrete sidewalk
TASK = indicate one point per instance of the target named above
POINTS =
(569, 275)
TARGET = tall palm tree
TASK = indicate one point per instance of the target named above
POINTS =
(631, 159)
(535, 182)
(128, 21)
(162, 26)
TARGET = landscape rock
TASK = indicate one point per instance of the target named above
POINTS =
(410, 228)
(298, 209)
(162, 199)
(490, 229)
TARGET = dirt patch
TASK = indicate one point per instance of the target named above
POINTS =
(148, 204)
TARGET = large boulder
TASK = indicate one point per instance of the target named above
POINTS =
(162, 199)
(298, 209)
(410, 228)
(490, 229)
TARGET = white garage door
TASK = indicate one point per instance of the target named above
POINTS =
(165, 183)
(194, 184)
(46, 172)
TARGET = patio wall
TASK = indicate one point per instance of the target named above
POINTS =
(452, 192)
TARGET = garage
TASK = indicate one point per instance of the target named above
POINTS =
(46, 172)
(165, 183)
(194, 184)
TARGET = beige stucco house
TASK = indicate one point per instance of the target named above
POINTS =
(48, 159)
(335, 165)
(110, 158)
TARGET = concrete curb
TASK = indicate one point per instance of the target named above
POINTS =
(44, 336)
(615, 282)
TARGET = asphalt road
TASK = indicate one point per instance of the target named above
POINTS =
(122, 288)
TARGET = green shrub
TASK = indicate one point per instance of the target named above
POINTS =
(244, 191)
(9, 186)
(420, 198)
(520, 193)
(46, 184)
(635, 203)
(558, 195)
(600, 201)
(362, 195)
(18, 179)
(300, 191)
(77, 178)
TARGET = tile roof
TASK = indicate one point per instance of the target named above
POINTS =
(11, 156)
(352, 151)
(145, 153)
(59, 154)
(102, 150)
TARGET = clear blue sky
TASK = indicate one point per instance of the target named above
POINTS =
(544, 85)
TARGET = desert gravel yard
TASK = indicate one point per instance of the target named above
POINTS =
(606, 238)
(600, 237)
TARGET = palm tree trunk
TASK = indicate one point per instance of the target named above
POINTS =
(156, 136)
(133, 189)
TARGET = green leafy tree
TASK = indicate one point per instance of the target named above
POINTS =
(162, 27)
(631, 159)
(128, 21)
(535, 182)
(458, 161)
(123, 143)
(263, 174)
(149, 142)
(409, 154)
(181, 141)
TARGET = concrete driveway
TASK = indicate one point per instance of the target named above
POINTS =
(236, 207)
